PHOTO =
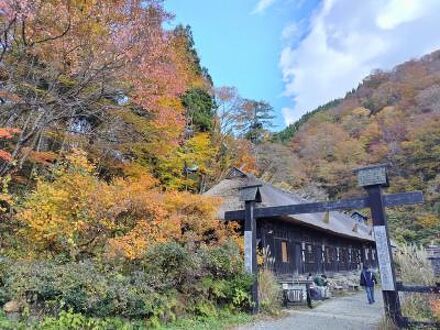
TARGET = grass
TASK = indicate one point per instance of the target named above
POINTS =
(413, 267)
(270, 293)
(224, 320)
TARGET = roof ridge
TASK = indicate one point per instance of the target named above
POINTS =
(235, 172)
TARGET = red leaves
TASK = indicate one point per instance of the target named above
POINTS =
(5, 156)
(7, 133)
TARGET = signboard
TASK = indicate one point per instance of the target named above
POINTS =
(372, 176)
(248, 251)
(383, 257)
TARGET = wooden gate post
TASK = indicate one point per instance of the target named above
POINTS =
(373, 178)
(250, 195)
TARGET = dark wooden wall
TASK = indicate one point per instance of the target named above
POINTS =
(309, 250)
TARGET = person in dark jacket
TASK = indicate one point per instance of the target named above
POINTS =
(368, 280)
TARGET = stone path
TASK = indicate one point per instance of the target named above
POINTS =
(345, 313)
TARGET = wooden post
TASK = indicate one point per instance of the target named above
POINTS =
(373, 178)
(250, 195)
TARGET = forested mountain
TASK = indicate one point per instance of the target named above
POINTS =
(391, 117)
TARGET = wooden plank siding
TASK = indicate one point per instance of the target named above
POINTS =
(309, 250)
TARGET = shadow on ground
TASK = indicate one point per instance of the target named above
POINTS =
(343, 313)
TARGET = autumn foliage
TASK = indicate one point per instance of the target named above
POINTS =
(391, 117)
(79, 215)
(6, 133)
(116, 132)
(106, 76)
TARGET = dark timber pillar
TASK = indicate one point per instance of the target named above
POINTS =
(250, 195)
(373, 178)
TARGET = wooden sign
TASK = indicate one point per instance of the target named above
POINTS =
(373, 175)
(383, 257)
(248, 251)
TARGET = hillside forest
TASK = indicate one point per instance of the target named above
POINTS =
(391, 117)
(110, 130)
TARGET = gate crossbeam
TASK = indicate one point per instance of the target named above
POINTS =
(400, 199)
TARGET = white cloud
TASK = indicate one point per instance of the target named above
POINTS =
(290, 31)
(262, 5)
(397, 12)
(294, 31)
(288, 114)
(348, 39)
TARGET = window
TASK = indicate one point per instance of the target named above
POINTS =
(284, 252)
(310, 253)
(328, 255)
(343, 255)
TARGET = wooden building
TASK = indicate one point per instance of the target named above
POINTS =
(323, 243)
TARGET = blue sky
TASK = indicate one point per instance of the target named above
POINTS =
(299, 54)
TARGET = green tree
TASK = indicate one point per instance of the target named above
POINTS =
(255, 118)
(200, 107)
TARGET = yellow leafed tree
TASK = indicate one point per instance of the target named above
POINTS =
(79, 215)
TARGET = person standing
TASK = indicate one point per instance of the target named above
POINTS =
(368, 280)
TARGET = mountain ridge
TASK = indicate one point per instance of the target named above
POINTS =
(391, 117)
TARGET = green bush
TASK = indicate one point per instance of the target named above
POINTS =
(223, 261)
(170, 281)
(83, 288)
(169, 266)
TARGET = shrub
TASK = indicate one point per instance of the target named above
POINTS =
(168, 266)
(83, 288)
(169, 281)
(222, 261)
(269, 292)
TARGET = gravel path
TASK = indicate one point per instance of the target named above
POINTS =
(345, 313)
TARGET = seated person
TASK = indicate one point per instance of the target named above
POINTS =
(315, 293)
(320, 280)
(321, 285)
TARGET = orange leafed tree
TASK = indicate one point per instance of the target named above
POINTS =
(78, 214)
(90, 54)
(6, 133)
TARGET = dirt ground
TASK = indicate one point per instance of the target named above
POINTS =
(342, 313)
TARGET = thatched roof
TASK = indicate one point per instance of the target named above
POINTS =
(333, 222)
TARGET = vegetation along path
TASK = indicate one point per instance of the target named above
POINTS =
(350, 312)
